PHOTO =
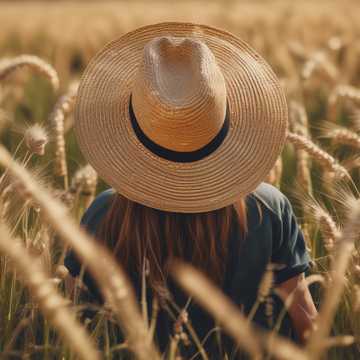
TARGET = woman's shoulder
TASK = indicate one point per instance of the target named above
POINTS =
(288, 247)
(90, 221)
(103, 198)
(97, 209)
(270, 198)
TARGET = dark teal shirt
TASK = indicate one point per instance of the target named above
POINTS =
(273, 237)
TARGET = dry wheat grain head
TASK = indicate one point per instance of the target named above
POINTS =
(298, 52)
(8, 66)
(322, 157)
(299, 125)
(84, 183)
(341, 94)
(108, 274)
(321, 67)
(84, 180)
(340, 135)
(36, 138)
(342, 257)
(62, 109)
(51, 303)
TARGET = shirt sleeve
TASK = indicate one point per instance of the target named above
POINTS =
(290, 256)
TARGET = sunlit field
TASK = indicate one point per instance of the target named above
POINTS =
(45, 184)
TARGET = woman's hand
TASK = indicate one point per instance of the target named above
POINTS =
(302, 309)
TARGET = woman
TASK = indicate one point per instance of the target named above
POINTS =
(184, 122)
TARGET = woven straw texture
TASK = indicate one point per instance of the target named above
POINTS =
(179, 94)
(258, 124)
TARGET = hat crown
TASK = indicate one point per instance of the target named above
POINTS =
(122, 78)
(179, 93)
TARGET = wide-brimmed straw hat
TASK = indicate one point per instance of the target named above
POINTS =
(180, 117)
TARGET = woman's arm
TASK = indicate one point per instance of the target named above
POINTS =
(302, 309)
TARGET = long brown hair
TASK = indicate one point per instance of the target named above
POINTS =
(142, 237)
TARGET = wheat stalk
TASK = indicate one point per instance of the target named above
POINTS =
(84, 182)
(299, 125)
(344, 136)
(344, 340)
(62, 108)
(297, 51)
(328, 228)
(356, 298)
(321, 156)
(229, 316)
(339, 94)
(355, 119)
(332, 296)
(319, 65)
(336, 46)
(5, 119)
(266, 283)
(110, 278)
(265, 286)
(43, 290)
(8, 66)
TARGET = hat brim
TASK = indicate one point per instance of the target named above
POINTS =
(258, 124)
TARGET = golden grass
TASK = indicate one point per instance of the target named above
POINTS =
(43, 290)
(322, 157)
(105, 270)
(334, 291)
(228, 315)
(313, 48)
(8, 66)
(62, 108)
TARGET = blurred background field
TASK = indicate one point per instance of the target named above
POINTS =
(313, 46)
(68, 33)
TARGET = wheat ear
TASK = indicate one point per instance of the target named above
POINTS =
(319, 65)
(321, 156)
(339, 94)
(298, 52)
(345, 137)
(228, 314)
(62, 108)
(36, 139)
(328, 227)
(43, 290)
(299, 125)
(265, 287)
(8, 66)
(332, 296)
(110, 278)
(322, 218)
(84, 183)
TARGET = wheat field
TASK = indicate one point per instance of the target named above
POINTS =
(45, 184)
